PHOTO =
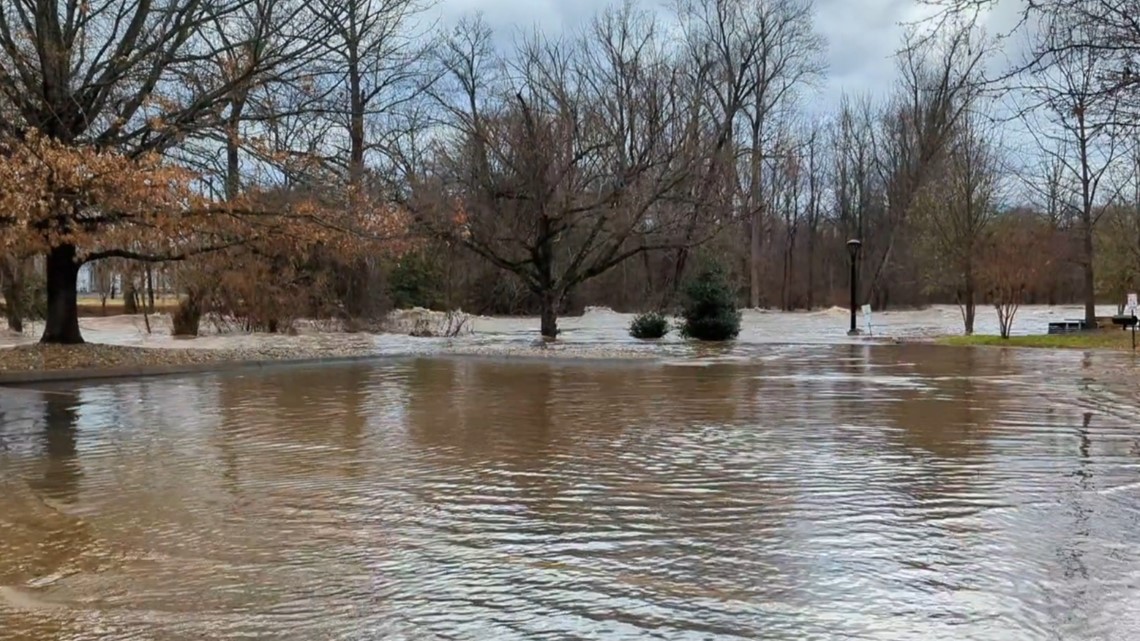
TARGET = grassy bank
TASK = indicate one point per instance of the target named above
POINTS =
(1109, 339)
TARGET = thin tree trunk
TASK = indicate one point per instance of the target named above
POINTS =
(62, 322)
(971, 307)
(130, 294)
(755, 201)
(785, 295)
(150, 288)
(12, 278)
(811, 269)
(1089, 277)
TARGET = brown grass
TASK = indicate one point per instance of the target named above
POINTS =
(115, 308)
(90, 306)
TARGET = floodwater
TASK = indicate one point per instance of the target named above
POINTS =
(879, 492)
(597, 332)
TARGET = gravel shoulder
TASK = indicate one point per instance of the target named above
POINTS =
(36, 357)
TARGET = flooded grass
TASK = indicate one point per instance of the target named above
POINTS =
(1114, 340)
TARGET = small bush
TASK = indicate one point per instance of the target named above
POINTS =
(35, 297)
(709, 312)
(649, 325)
(186, 318)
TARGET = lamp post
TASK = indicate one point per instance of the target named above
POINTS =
(853, 247)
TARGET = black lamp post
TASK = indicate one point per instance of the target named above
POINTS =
(853, 247)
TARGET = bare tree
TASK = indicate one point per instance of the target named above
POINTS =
(813, 151)
(786, 177)
(936, 90)
(1103, 29)
(960, 205)
(561, 169)
(751, 57)
(786, 59)
(376, 71)
(1012, 263)
(733, 47)
(1074, 122)
(858, 192)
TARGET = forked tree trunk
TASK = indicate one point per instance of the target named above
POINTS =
(62, 322)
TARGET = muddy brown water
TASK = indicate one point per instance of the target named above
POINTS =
(782, 492)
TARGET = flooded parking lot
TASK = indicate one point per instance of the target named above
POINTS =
(768, 491)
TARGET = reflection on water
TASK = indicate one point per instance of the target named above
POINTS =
(851, 491)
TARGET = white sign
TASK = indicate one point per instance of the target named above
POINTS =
(867, 317)
(1132, 304)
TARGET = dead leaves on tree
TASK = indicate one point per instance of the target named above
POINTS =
(109, 204)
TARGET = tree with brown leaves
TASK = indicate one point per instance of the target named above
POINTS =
(1013, 260)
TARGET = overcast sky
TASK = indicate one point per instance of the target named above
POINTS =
(862, 35)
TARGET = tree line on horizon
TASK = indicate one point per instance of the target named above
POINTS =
(278, 159)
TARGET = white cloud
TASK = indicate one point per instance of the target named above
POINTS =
(862, 35)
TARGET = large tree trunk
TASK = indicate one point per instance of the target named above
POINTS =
(62, 322)
(969, 310)
(549, 308)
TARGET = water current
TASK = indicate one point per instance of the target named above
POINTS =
(766, 491)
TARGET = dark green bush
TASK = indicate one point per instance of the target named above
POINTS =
(709, 311)
(415, 281)
(649, 325)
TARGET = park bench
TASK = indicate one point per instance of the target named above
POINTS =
(1068, 326)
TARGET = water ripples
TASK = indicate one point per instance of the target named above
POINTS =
(811, 493)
